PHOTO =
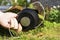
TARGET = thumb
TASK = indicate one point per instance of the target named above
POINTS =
(19, 28)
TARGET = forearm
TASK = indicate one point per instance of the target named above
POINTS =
(1, 13)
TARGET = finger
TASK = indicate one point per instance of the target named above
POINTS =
(12, 14)
(19, 28)
(12, 23)
(15, 23)
(6, 25)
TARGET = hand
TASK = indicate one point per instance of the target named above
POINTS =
(8, 20)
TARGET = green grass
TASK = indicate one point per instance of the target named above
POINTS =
(50, 31)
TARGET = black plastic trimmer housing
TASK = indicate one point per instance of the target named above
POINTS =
(28, 18)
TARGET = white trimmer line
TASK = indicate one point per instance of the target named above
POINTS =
(43, 10)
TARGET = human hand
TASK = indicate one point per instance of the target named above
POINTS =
(8, 20)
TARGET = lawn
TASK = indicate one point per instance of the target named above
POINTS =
(50, 31)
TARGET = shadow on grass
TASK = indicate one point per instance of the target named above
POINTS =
(4, 32)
